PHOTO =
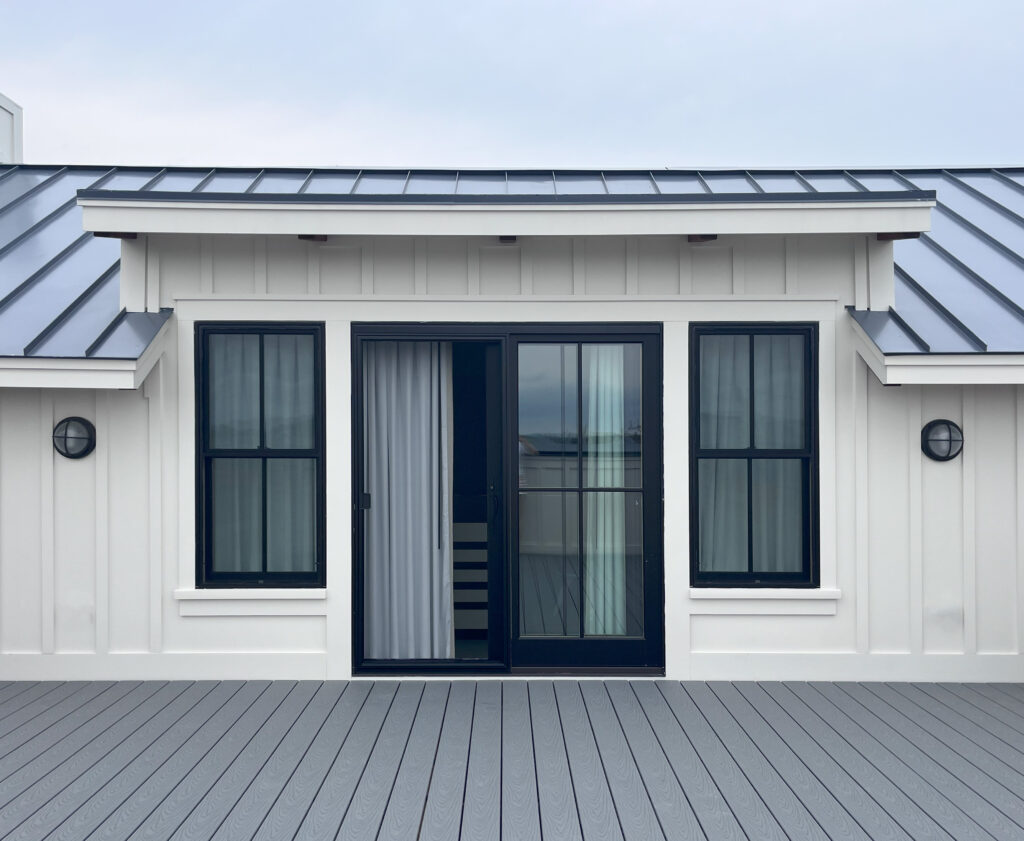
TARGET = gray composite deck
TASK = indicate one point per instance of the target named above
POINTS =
(511, 760)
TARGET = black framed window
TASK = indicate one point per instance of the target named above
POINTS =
(260, 455)
(753, 455)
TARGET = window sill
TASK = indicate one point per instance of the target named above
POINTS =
(279, 601)
(748, 601)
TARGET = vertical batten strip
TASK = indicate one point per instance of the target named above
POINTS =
(862, 535)
(46, 536)
(259, 262)
(312, 269)
(366, 267)
(473, 266)
(860, 273)
(739, 267)
(419, 265)
(205, 265)
(969, 521)
(152, 280)
(685, 267)
(1020, 519)
(102, 512)
(579, 272)
(790, 246)
(153, 391)
(632, 266)
(914, 522)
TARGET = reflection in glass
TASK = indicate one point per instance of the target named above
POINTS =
(234, 391)
(779, 392)
(722, 503)
(548, 429)
(288, 391)
(724, 392)
(549, 564)
(291, 515)
(613, 563)
(612, 412)
(237, 521)
(778, 515)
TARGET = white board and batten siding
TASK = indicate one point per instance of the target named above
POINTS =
(922, 564)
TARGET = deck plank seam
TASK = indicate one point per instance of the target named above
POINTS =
(958, 715)
(696, 753)
(874, 765)
(1017, 713)
(913, 771)
(298, 764)
(568, 764)
(55, 744)
(229, 765)
(796, 756)
(433, 765)
(398, 765)
(947, 745)
(174, 753)
(469, 746)
(124, 766)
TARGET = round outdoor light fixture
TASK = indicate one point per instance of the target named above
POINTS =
(74, 437)
(941, 440)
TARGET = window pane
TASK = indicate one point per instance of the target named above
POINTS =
(548, 431)
(613, 564)
(612, 413)
(722, 502)
(234, 390)
(779, 392)
(237, 521)
(549, 564)
(288, 391)
(724, 392)
(291, 515)
(778, 526)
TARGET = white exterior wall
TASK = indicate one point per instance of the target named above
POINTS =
(921, 563)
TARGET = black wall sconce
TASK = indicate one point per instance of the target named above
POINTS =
(74, 437)
(941, 440)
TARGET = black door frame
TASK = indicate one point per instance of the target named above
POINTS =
(507, 335)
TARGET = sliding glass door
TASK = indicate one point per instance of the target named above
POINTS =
(508, 482)
(587, 501)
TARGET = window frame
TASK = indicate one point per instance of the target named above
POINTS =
(206, 577)
(810, 575)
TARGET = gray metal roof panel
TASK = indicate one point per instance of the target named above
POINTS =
(959, 289)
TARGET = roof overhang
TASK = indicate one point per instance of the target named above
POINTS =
(899, 212)
(78, 372)
(983, 368)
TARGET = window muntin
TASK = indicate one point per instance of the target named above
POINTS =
(753, 455)
(260, 466)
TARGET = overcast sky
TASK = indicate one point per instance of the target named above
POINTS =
(559, 83)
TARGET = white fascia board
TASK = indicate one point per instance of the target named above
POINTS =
(50, 372)
(192, 217)
(939, 368)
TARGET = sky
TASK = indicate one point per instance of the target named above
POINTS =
(563, 83)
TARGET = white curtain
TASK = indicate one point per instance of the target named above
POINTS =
(605, 513)
(724, 424)
(777, 484)
(408, 595)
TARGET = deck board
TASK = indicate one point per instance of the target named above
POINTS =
(516, 760)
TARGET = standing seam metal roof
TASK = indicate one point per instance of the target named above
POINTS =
(959, 288)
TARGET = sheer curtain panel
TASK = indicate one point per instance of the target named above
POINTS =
(408, 591)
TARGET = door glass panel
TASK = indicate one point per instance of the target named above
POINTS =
(549, 564)
(291, 515)
(778, 518)
(237, 520)
(548, 428)
(234, 391)
(288, 391)
(613, 563)
(612, 412)
(779, 392)
(722, 535)
(724, 392)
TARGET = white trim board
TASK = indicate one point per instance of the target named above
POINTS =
(192, 217)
